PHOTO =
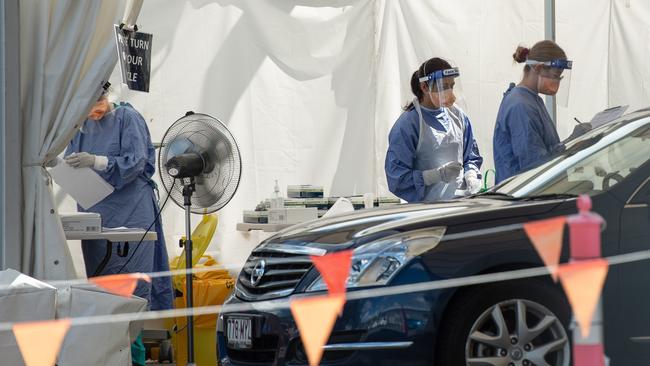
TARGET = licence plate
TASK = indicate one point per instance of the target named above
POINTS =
(238, 332)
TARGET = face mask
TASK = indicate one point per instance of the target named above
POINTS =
(99, 109)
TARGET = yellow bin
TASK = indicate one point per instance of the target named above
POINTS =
(209, 288)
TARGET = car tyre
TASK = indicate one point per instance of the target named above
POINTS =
(166, 352)
(470, 333)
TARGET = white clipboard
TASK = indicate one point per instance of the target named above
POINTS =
(608, 115)
(82, 184)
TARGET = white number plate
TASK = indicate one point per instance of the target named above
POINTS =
(238, 331)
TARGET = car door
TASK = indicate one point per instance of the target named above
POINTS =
(635, 278)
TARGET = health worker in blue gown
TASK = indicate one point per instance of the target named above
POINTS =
(525, 135)
(115, 142)
(432, 154)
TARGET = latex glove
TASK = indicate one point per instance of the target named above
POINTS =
(472, 182)
(579, 130)
(52, 162)
(446, 173)
(81, 160)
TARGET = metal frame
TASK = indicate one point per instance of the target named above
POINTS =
(2, 133)
(10, 137)
(629, 203)
(549, 33)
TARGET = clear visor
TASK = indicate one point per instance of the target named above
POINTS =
(554, 78)
(444, 88)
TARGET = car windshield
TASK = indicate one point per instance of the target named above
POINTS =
(590, 164)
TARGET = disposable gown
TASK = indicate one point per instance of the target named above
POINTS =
(404, 178)
(123, 137)
(524, 135)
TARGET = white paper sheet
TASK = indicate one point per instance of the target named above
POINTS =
(607, 115)
(118, 229)
(82, 184)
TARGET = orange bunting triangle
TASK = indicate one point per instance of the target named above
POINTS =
(335, 269)
(583, 282)
(120, 284)
(40, 342)
(315, 318)
(546, 236)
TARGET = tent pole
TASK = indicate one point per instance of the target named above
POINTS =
(549, 33)
(11, 224)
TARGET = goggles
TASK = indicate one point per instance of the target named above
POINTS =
(558, 64)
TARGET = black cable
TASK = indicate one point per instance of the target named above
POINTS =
(149, 228)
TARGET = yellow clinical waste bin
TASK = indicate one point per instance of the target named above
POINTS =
(209, 288)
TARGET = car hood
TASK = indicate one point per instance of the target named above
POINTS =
(342, 231)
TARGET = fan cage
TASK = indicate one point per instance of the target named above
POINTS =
(201, 133)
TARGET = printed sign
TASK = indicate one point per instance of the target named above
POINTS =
(134, 54)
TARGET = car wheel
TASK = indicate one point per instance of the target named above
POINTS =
(166, 352)
(518, 323)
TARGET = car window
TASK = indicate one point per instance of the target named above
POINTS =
(593, 173)
(604, 169)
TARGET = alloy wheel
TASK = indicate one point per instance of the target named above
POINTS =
(517, 333)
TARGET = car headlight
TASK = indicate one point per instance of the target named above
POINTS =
(377, 262)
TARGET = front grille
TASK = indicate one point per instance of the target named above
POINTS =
(263, 351)
(282, 273)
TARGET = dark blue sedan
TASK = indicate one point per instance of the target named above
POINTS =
(520, 322)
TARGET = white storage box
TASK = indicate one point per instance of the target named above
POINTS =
(81, 222)
(292, 215)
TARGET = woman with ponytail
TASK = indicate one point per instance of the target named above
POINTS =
(432, 154)
(524, 134)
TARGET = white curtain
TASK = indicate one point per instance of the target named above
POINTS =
(310, 88)
(67, 50)
(629, 69)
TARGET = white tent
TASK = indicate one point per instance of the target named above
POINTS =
(310, 88)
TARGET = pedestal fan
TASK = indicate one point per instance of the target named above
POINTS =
(200, 152)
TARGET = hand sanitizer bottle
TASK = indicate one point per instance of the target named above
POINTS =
(277, 201)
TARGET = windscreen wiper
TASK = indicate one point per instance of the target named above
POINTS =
(493, 194)
(549, 196)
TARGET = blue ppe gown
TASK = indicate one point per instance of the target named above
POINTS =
(524, 134)
(410, 152)
(123, 137)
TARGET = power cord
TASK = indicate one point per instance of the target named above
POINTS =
(149, 228)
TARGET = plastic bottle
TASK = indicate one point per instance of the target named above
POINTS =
(277, 201)
(368, 200)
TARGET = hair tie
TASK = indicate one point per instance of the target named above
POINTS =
(524, 53)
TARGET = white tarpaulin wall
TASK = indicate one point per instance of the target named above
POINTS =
(311, 88)
(65, 53)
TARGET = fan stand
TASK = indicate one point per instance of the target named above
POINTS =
(188, 189)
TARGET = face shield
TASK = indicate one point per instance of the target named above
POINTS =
(554, 78)
(443, 87)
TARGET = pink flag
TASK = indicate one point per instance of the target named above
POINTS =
(39, 342)
(583, 282)
(120, 284)
(546, 236)
(315, 318)
(335, 269)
